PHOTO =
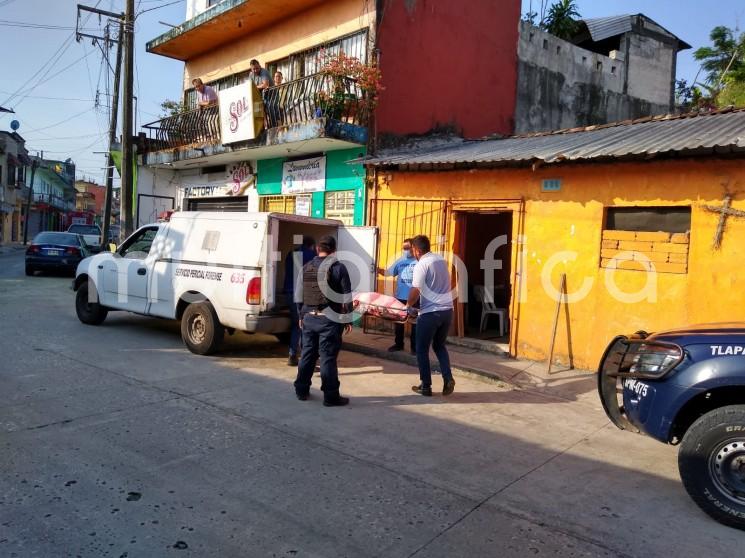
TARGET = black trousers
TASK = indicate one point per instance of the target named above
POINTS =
(321, 339)
(398, 331)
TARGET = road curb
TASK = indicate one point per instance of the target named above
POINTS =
(458, 370)
(11, 249)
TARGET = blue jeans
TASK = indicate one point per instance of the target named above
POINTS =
(432, 329)
(321, 338)
(294, 328)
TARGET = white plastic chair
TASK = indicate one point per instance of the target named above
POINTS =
(488, 308)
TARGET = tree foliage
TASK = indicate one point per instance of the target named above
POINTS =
(562, 19)
(725, 55)
(171, 108)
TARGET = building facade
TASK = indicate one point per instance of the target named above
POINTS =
(636, 217)
(294, 154)
(53, 196)
(14, 173)
(616, 68)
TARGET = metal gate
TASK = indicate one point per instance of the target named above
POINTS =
(398, 220)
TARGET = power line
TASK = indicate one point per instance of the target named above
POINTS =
(58, 123)
(31, 25)
(53, 98)
(47, 66)
(157, 8)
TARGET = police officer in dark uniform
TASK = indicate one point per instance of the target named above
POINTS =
(326, 295)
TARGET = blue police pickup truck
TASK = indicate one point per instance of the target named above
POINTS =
(687, 387)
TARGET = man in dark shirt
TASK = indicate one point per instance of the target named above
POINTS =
(300, 256)
(325, 290)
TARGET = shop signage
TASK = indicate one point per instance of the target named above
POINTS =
(238, 111)
(238, 179)
(302, 206)
(307, 175)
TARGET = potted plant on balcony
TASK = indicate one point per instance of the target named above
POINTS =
(350, 88)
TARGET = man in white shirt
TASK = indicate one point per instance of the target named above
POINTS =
(206, 95)
(431, 287)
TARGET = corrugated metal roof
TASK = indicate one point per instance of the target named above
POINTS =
(691, 134)
(603, 27)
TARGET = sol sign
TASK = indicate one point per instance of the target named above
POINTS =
(238, 109)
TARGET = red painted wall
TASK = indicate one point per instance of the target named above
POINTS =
(448, 62)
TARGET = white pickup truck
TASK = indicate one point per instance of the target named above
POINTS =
(90, 233)
(213, 271)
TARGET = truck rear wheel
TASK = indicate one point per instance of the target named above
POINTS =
(91, 313)
(201, 331)
(711, 461)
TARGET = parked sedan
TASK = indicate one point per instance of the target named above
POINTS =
(56, 251)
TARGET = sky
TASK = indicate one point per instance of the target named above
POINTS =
(60, 115)
(56, 79)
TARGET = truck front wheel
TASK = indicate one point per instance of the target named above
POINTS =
(88, 307)
(711, 461)
(201, 331)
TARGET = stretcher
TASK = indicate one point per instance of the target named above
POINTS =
(381, 306)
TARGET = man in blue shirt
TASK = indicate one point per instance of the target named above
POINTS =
(403, 268)
(307, 252)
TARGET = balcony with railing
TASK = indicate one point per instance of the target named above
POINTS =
(316, 106)
(54, 201)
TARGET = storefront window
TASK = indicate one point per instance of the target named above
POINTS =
(278, 204)
(340, 205)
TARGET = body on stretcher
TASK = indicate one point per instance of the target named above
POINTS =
(382, 306)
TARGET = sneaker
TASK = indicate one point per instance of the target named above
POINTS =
(395, 348)
(337, 401)
(421, 389)
(302, 396)
(449, 386)
(292, 360)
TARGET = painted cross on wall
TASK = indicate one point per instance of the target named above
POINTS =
(724, 211)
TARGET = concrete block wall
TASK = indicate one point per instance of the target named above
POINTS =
(561, 85)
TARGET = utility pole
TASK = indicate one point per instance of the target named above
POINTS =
(34, 164)
(112, 139)
(126, 33)
(127, 145)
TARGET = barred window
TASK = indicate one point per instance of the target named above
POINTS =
(306, 63)
(278, 204)
(340, 205)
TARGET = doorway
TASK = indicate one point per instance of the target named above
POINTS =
(485, 243)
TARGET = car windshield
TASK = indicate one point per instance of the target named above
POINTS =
(66, 239)
(84, 229)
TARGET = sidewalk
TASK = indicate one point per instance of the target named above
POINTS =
(570, 385)
(11, 248)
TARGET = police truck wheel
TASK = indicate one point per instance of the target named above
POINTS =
(91, 313)
(200, 329)
(711, 461)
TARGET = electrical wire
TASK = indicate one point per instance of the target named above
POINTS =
(157, 8)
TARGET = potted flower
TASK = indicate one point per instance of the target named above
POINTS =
(350, 88)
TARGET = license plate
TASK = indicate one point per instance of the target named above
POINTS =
(53, 252)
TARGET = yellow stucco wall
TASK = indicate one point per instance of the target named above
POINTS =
(316, 26)
(572, 220)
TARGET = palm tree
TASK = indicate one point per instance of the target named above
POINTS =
(562, 19)
(724, 60)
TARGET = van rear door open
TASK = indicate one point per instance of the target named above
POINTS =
(356, 246)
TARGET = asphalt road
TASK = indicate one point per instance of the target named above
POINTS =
(116, 441)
